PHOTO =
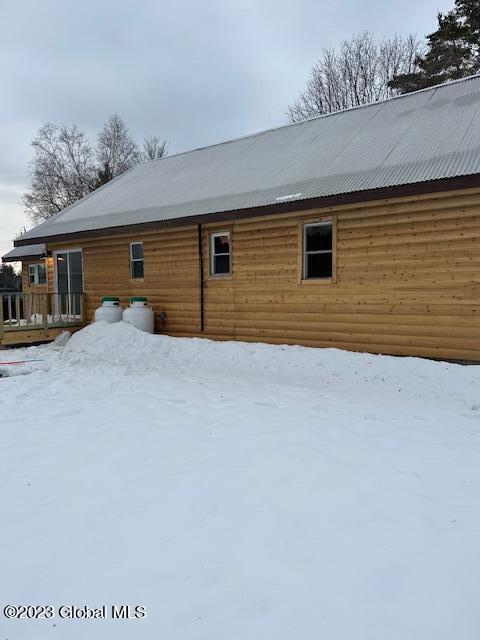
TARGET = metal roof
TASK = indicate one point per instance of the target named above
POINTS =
(27, 251)
(426, 135)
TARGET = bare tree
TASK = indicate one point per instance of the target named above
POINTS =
(65, 167)
(154, 148)
(116, 149)
(357, 73)
(61, 172)
(398, 55)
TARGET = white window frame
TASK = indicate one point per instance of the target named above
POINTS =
(33, 271)
(213, 255)
(305, 253)
(132, 260)
(32, 274)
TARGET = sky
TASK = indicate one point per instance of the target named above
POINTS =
(192, 72)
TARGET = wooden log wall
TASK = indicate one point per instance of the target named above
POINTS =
(171, 275)
(407, 278)
(37, 288)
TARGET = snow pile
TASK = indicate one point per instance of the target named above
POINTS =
(120, 344)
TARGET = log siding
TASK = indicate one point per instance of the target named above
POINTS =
(406, 277)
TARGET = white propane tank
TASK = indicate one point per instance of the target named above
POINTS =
(110, 311)
(139, 314)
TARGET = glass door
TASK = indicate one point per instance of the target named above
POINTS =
(69, 270)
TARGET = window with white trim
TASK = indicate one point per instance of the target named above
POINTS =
(220, 253)
(136, 260)
(37, 274)
(318, 250)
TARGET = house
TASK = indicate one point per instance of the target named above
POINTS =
(30, 316)
(359, 230)
(35, 266)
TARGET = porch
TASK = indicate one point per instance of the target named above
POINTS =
(28, 318)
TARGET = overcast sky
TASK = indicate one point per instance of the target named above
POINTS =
(193, 72)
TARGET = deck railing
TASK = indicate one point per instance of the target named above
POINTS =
(22, 311)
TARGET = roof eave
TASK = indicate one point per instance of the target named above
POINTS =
(22, 258)
(6, 258)
(381, 193)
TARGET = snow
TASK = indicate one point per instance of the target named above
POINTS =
(239, 490)
(36, 320)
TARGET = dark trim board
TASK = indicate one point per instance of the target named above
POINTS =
(357, 197)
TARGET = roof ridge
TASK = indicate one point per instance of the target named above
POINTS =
(435, 87)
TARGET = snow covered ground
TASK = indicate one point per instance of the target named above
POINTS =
(239, 491)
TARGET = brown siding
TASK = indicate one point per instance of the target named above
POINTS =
(171, 275)
(38, 288)
(407, 278)
(218, 291)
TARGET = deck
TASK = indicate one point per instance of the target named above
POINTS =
(39, 317)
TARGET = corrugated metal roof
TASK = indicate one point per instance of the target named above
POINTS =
(426, 135)
(27, 251)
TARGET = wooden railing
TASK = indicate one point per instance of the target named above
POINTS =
(22, 311)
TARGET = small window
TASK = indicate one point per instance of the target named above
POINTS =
(317, 250)
(220, 253)
(37, 274)
(136, 260)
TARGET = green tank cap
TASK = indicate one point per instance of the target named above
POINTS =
(110, 299)
(137, 299)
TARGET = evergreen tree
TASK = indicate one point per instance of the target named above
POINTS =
(469, 11)
(453, 50)
(9, 279)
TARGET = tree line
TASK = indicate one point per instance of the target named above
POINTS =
(363, 70)
(9, 279)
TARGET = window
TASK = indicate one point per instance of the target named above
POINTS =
(136, 260)
(317, 250)
(37, 274)
(42, 274)
(220, 253)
